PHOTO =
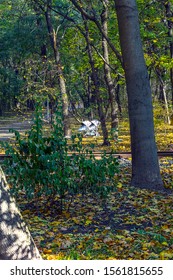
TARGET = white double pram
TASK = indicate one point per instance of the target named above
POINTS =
(90, 128)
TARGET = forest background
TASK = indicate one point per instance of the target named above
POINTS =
(70, 51)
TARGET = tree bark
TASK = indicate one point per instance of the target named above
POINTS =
(169, 15)
(145, 166)
(16, 242)
(107, 72)
(95, 81)
(163, 96)
(117, 90)
(61, 79)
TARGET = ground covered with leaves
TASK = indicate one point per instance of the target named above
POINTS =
(131, 224)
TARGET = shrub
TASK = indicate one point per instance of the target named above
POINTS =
(50, 167)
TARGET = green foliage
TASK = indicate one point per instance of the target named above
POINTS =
(26, 72)
(42, 167)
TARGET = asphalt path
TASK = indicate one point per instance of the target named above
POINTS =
(21, 125)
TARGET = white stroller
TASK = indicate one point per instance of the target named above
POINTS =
(90, 128)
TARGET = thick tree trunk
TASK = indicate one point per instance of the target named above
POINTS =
(145, 167)
(16, 242)
(107, 72)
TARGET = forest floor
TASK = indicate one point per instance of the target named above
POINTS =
(130, 224)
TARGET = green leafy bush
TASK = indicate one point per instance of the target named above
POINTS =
(54, 167)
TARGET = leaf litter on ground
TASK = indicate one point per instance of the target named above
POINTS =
(131, 224)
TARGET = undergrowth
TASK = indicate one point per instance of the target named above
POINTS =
(41, 167)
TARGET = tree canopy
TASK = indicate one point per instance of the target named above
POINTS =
(27, 59)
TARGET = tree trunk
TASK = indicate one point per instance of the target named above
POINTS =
(163, 97)
(95, 81)
(145, 167)
(169, 15)
(16, 242)
(61, 79)
(118, 96)
(107, 72)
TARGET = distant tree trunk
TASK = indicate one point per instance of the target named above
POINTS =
(163, 96)
(107, 72)
(0, 109)
(117, 89)
(16, 242)
(169, 15)
(145, 167)
(95, 81)
(62, 85)
(160, 75)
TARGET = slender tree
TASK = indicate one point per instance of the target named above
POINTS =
(95, 81)
(107, 69)
(169, 16)
(145, 166)
(55, 46)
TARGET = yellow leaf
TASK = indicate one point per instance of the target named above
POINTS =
(51, 257)
(144, 248)
(129, 239)
(50, 233)
(47, 251)
(88, 222)
(166, 255)
(119, 186)
(55, 223)
(67, 215)
(119, 236)
(55, 257)
(96, 246)
(76, 221)
(80, 246)
(164, 227)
